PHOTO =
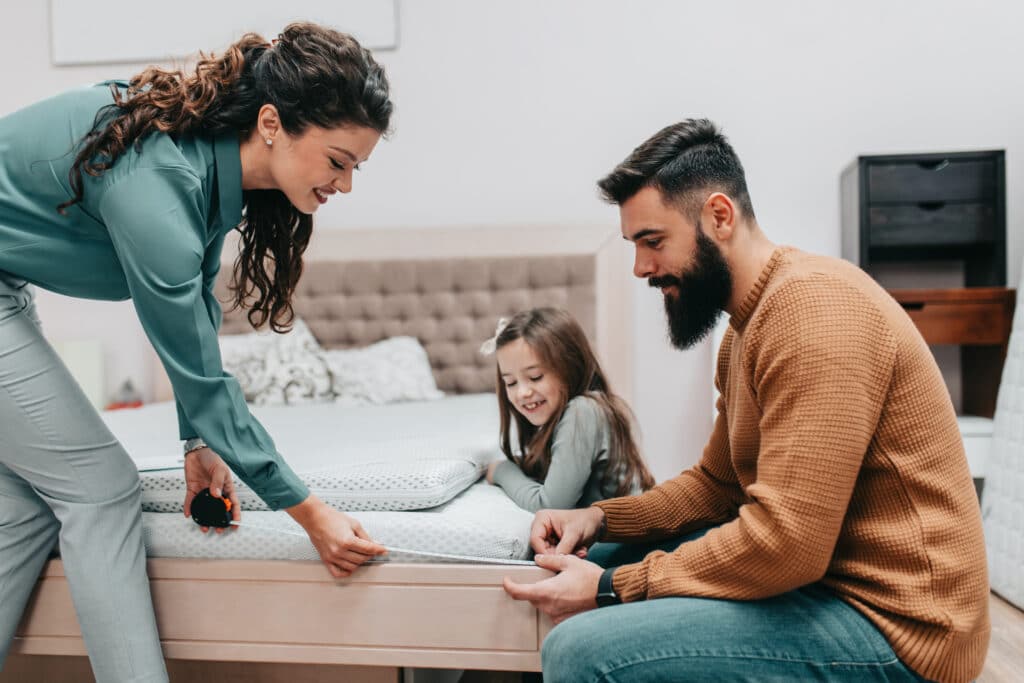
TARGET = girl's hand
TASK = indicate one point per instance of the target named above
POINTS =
(341, 541)
(205, 469)
(490, 471)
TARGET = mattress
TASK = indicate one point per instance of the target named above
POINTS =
(403, 456)
(480, 522)
(1002, 502)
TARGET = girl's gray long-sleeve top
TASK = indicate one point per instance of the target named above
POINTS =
(579, 459)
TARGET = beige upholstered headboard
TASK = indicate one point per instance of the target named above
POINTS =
(448, 288)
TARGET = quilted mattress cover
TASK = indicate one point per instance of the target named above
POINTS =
(480, 522)
(404, 456)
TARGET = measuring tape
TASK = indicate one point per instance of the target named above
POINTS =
(208, 510)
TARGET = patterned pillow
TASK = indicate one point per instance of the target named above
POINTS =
(392, 370)
(278, 369)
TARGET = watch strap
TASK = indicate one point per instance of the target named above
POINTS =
(606, 594)
(194, 444)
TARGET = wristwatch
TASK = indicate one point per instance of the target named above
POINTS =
(606, 594)
(194, 444)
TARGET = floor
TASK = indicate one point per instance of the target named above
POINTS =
(1005, 662)
(53, 669)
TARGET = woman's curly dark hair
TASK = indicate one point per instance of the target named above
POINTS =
(313, 75)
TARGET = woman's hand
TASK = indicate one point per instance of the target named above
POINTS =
(490, 471)
(205, 469)
(341, 541)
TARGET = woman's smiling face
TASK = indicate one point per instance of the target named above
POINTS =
(311, 167)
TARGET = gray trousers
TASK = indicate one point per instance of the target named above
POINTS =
(64, 477)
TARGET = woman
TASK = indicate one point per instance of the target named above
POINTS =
(127, 190)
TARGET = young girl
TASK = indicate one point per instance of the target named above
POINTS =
(575, 441)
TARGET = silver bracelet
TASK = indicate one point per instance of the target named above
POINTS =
(194, 444)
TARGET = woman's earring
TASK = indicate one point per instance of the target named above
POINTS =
(269, 142)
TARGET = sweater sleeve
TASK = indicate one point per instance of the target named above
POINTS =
(575, 447)
(704, 495)
(818, 359)
(155, 218)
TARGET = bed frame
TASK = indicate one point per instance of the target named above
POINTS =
(291, 619)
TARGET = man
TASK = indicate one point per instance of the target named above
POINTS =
(830, 530)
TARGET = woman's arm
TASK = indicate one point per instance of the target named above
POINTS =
(157, 223)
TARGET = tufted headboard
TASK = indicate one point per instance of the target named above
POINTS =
(448, 287)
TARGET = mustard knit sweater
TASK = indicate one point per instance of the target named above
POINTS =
(835, 458)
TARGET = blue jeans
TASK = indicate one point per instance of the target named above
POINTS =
(804, 635)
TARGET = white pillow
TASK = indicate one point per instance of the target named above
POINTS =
(392, 370)
(278, 369)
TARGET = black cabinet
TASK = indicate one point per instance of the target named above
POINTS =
(916, 208)
(928, 207)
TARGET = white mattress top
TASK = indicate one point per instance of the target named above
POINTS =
(406, 456)
(312, 437)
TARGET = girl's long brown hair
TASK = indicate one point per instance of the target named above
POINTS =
(313, 75)
(563, 349)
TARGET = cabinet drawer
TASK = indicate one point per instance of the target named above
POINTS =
(964, 323)
(933, 181)
(931, 223)
(973, 316)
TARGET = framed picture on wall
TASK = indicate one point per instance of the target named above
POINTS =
(127, 31)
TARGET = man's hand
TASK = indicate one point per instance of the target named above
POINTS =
(572, 591)
(205, 469)
(564, 532)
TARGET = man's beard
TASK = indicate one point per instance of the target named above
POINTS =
(700, 297)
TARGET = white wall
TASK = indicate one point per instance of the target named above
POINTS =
(509, 111)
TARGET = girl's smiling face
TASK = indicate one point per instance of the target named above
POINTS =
(532, 389)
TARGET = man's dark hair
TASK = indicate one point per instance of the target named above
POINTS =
(682, 161)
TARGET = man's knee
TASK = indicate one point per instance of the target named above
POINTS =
(571, 650)
(556, 653)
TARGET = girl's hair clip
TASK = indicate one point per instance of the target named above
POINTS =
(491, 345)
